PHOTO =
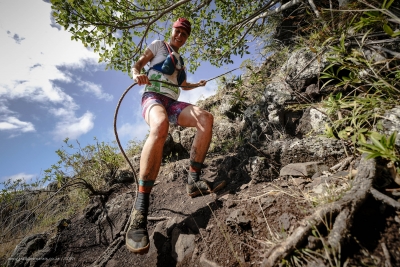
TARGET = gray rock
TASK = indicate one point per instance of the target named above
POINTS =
(318, 120)
(124, 176)
(157, 239)
(26, 248)
(373, 55)
(391, 123)
(312, 121)
(274, 116)
(343, 3)
(319, 189)
(267, 202)
(176, 136)
(171, 223)
(302, 68)
(257, 164)
(229, 106)
(237, 217)
(312, 90)
(284, 220)
(276, 94)
(187, 136)
(252, 111)
(303, 169)
(184, 244)
(307, 149)
(261, 171)
(225, 130)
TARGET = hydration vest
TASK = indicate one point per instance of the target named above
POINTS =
(168, 66)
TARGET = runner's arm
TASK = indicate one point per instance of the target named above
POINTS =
(141, 78)
(189, 86)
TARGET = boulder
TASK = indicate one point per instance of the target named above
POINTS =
(303, 169)
(26, 248)
(183, 244)
(302, 69)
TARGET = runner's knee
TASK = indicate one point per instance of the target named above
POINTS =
(159, 128)
(206, 119)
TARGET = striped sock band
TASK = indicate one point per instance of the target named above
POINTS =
(145, 186)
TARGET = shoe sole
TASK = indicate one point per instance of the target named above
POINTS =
(200, 192)
(217, 188)
(140, 251)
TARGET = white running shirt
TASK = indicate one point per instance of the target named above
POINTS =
(160, 53)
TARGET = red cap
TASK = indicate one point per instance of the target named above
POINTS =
(183, 23)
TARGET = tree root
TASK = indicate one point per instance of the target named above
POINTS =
(385, 199)
(340, 212)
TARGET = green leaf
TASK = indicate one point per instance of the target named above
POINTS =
(388, 30)
(388, 4)
(392, 139)
(378, 143)
(374, 155)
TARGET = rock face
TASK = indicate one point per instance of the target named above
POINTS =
(302, 69)
(26, 250)
(391, 122)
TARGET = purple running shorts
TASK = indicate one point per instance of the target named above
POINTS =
(173, 107)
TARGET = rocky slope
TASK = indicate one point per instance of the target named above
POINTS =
(287, 188)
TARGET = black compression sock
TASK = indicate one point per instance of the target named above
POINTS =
(142, 202)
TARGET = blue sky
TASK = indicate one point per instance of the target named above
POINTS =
(52, 88)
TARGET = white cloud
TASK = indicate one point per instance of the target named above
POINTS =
(32, 52)
(95, 89)
(13, 123)
(71, 126)
(22, 176)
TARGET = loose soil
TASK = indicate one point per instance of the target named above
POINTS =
(234, 227)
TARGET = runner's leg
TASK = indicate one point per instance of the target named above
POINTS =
(193, 116)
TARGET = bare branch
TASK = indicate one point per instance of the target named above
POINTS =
(312, 4)
(277, 10)
(393, 53)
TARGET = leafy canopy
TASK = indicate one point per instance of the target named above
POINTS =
(120, 30)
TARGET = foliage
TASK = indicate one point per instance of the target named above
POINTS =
(367, 82)
(120, 30)
(28, 207)
(135, 147)
(379, 18)
(92, 166)
(383, 147)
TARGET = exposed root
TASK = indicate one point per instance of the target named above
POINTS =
(341, 211)
(385, 199)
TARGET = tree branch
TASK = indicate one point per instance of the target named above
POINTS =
(312, 4)
(277, 10)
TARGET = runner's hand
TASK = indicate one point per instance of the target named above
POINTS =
(202, 83)
(142, 79)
